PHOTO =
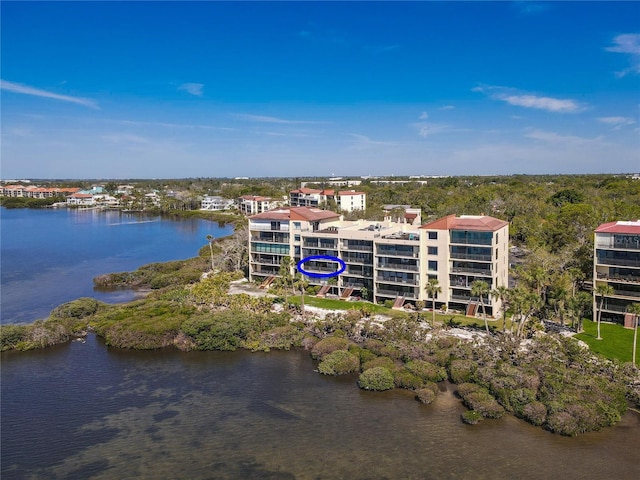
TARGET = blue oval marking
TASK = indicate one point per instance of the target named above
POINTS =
(343, 266)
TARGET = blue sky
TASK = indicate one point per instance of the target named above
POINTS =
(217, 89)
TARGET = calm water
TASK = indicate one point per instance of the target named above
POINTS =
(50, 256)
(86, 411)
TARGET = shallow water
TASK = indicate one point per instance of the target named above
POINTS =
(83, 410)
(50, 256)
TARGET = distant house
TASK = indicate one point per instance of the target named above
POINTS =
(252, 204)
(347, 200)
(216, 203)
(81, 200)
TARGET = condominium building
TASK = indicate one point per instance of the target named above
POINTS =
(384, 260)
(252, 204)
(616, 262)
(345, 200)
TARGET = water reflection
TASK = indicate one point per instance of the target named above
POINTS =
(165, 414)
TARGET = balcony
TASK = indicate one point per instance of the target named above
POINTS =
(623, 262)
(398, 266)
(358, 248)
(476, 271)
(271, 239)
(266, 227)
(393, 252)
(470, 256)
(619, 278)
(398, 280)
(383, 292)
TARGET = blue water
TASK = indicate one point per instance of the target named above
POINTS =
(50, 256)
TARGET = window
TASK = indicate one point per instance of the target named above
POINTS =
(296, 238)
(496, 253)
(432, 250)
(433, 235)
(433, 265)
(497, 236)
(296, 225)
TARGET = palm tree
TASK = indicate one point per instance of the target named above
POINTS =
(286, 278)
(604, 290)
(501, 293)
(433, 289)
(210, 239)
(634, 309)
(480, 289)
(300, 283)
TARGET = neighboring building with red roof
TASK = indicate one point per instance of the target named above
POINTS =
(254, 204)
(387, 260)
(616, 262)
(345, 200)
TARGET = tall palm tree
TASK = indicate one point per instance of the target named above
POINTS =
(286, 278)
(300, 283)
(634, 309)
(603, 290)
(480, 289)
(210, 239)
(433, 288)
(502, 293)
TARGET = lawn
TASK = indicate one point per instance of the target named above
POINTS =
(616, 342)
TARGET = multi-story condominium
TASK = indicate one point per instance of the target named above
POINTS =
(252, 204)
(350, 200)
(310, 197)
(386, 260)
(215, 203)
(616, 262)
(470, 248)
(345, 200)
(35, 192)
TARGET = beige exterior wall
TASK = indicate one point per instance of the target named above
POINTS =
(389, 259)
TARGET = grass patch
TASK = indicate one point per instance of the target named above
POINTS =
(616, 342)
(332, 304)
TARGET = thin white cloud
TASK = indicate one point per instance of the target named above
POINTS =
(362, 142)
(36, 92)
(267, 119)
(528, 100)
(171, 125)
(447, 107)
(426, 128)
(423, 116)
(617, 122)
(125, 138)
(562, 140)
(192, 88)
(629, 44)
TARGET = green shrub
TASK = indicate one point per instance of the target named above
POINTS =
(403, 378)
(425, 395)
(379, 362)
(388, 303)
(328, 345)
(11, 336)
(363, 354)
(471, 417)
(80, 308)
(482, 401)
(535, 413)
(280, 338)
(339, 362)
(426, 371)
(461, 371)
(465, 389)
(377, 378)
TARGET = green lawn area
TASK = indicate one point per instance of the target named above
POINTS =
(333, 304)
(616, 342)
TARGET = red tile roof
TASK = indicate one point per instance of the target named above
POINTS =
(619, 227)
(349, 192)
(479, 223)
(309, 214)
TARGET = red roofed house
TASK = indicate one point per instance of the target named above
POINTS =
(81, 200)
(616, 262)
